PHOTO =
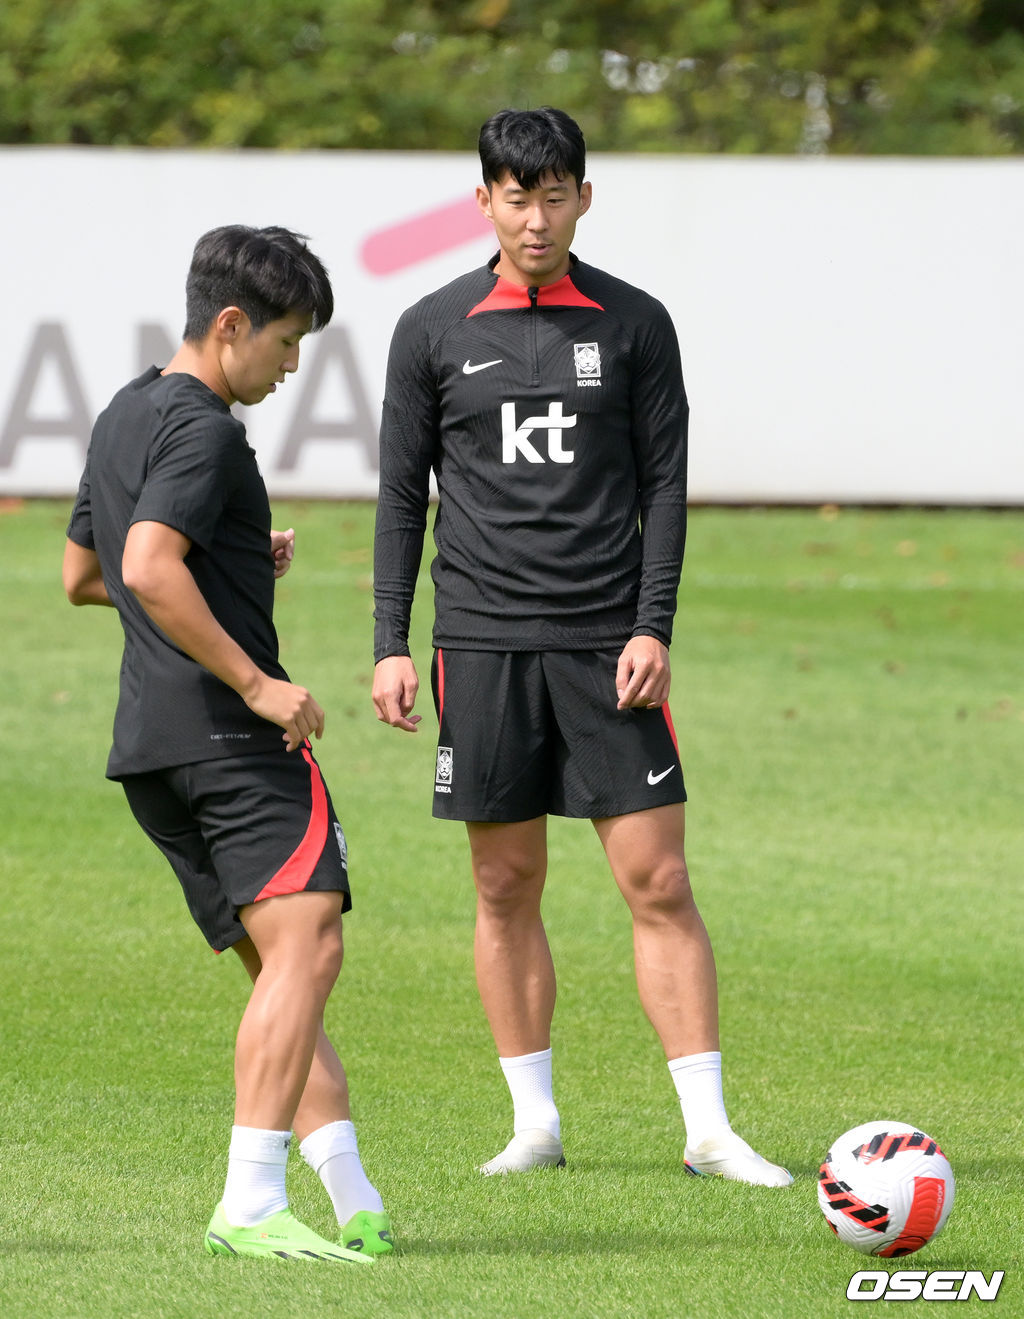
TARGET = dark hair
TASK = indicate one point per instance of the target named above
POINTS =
(268, 273)
(529, 143)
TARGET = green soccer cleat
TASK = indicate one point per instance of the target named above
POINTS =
(368, 1233)
(280, 1236)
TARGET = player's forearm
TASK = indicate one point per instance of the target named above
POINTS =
(408, 443)
(393, 586)
(82, 576)
(393, 597)
(91, 593)
(398, 549)
(663, 540)
(173, 601)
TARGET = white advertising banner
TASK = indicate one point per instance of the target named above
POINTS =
(851, 330)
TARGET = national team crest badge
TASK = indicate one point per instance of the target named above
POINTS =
(588, 361)
(445, 767)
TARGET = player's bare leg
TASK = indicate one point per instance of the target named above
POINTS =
(516, 979)
(514, 971)
(677, 983)
(325, 1095)
(298, 948)
(675, 967)
(299, 942)
(327, 1138)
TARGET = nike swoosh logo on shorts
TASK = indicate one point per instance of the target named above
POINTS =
(470, 368)
(653, 778)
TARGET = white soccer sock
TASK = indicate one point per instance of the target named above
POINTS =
(698, 1082)
(529, 1084)
(333, 1154)
(254, 1189)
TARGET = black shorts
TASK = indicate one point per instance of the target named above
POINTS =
(523, 734)
(240, 829)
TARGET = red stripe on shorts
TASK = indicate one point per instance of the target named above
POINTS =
(440, 685)
(671, 727)
(295, 873)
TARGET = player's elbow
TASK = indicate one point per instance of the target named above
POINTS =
(152, 559)
(139, 576)
(141, 568)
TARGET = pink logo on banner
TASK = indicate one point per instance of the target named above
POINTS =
(424, 236)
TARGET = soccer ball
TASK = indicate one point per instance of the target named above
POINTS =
(885, 1188)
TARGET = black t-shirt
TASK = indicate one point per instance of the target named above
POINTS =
(555, 421)
(167, 449)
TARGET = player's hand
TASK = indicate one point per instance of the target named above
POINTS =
(282, 547)
(643, 676)
(290, 707)
(395, 685)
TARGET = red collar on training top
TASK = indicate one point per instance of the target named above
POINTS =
(506, 296)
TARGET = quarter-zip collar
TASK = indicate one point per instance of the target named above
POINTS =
(506, 296)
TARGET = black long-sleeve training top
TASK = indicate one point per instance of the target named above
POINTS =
(555, 421)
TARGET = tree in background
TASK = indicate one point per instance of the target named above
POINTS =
(936, 77)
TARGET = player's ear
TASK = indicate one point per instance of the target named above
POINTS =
(229, 323)
(483, 200)
(586, 195)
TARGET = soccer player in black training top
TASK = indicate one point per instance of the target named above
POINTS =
(172, 528)
(547, 397)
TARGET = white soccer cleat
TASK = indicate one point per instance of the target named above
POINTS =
(730, 1156)
(526, 1150)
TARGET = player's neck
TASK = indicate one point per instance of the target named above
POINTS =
(203, 362)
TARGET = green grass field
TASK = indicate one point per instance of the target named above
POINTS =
(848, 694)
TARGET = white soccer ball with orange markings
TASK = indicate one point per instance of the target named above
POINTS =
(885, 1188)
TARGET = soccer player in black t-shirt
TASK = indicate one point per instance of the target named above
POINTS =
(211, 740)
(547, 398)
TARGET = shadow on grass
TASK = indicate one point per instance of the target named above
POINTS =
(632, 1166)
(53, 1246)
(584, 1243)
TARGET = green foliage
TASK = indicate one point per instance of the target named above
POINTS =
(843, 76)
(846, 692)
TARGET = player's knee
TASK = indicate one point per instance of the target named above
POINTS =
(663, 891)
(333, 950)
(508, 885)
(325, 956)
